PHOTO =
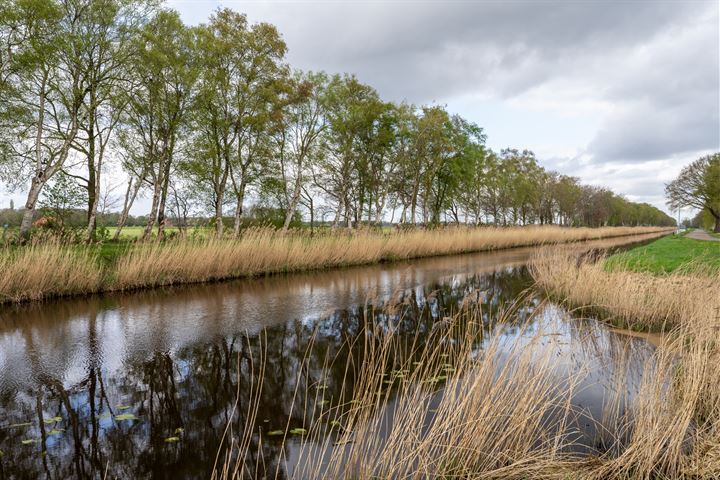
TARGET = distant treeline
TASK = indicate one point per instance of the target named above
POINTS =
(207, 119)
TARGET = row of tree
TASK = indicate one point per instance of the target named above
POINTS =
(205, 119)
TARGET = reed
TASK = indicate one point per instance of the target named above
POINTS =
(263, 251)
(42, 271)
(675, 421)
(446, 407)
(627, 299)
(460, 405)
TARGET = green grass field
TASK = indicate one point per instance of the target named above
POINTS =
(669, 254)
(131, 233)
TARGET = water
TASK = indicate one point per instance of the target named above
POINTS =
(110, 383)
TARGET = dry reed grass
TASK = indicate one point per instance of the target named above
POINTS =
(265, 251)
(40, 271)
(675, 422)
(628, 299)
(442, 408)
(456, 406)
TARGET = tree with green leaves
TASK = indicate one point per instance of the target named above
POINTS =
(107, 29)
(240, 90)
(297, 134)
(46, 97)
(61, 196)
(698, 186)
(156, 116)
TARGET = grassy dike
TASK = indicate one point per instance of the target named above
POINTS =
(43, 271)
(676, 253)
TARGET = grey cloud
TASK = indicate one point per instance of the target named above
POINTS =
(652, 64)
(424, 50)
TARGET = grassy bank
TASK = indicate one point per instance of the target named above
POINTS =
(676, 253)
(626, 298)
(457, 406)
(35, 273)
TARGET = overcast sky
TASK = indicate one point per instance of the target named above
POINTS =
(619, 93)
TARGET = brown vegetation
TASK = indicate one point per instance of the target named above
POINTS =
(628, 299)
(267, 251)
(454, 406)
(457, 413)
(38, 272)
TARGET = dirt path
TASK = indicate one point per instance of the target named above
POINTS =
(702, 235)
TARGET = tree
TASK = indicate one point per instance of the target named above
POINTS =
(164, 76)
(41, 110)
(298, 129)
(698, 186)
(239, 92)
(341, 170)
(61, 196)
(107, 29)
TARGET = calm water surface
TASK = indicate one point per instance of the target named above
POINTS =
(102, 383)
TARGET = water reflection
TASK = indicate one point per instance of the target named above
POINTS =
(111, 382)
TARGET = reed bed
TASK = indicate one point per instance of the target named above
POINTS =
(446, 407)
(675, 423)
(48, 270)
(264, 251)
(40, 271)
(460, 405)
(628, 299)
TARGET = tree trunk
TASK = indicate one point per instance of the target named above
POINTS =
(717, 224)
(153, 212)
(130, 195)
(92, 184)
(218, 216)
(292, 205)
(240, 197)
(33, 194)
(238, 216)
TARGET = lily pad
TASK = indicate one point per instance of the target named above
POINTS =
(122, 407)
(125, 416)
(56, 431)
(172, 439)
(275, 433)
(29, 441)
(18, 425)
(179, 430)
(298, 431)
(50, 420)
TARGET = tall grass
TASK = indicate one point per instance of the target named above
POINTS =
(267, 251)
(42, 271)
(448, 407)
(460, 405)
(628, 299)
(675, 422)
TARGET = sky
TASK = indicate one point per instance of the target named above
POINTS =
(621, 94)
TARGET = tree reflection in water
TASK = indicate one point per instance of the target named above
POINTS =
(111, 383)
